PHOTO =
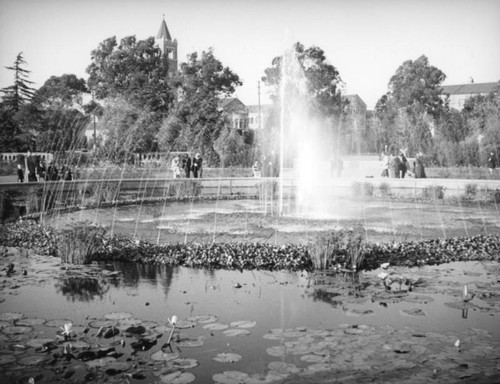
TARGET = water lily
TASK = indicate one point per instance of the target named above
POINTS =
(385, 265)
(382, 275)
(173, 320)
(457, 343)
(66, 330)
(467, 296)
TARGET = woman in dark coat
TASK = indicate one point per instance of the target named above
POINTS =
(419, 169)
(197, 166)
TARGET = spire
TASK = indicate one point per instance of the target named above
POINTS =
(163, 33)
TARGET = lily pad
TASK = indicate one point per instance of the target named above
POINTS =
(57, 322)
(227, 357)
(101, 323)
(16, 330)
(412, 312)
(164, 356)
(118, 316)
(178, 377)
(33, 360)
(203, 319)
(236, 332)
(216, 326)
(191, 342)
(116, 367)
(11, 316)
(38, 343)
(243, 324)
(178, 364)
(277, 351)
(231, 377)
(184, 324)
(100, 363)
(282, 367)
(29, 322)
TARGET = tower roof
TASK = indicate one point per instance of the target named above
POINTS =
(163, 33)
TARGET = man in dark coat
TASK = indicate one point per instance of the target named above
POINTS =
(492, 163)
(187, 165)
(197, 166)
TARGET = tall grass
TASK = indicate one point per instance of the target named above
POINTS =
(342, 247)
(78, 245)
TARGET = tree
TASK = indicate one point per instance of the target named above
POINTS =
(15, 124)
(413, 109)
(195, 121)
(20, 93)
(134, 70)
(62, 115)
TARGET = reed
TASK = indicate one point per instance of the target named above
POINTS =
(78, 245)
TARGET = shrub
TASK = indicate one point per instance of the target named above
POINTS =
(7, 209)
(362, 189)
(433, 192)
(186, 188)
(470, 190)
(384, 189)
(79, 244)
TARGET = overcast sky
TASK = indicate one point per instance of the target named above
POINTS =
(366, 40)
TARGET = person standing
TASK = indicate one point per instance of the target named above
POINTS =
(385, 164)
(176, 172)
(31, 167)
(418, 168)
(197, 166)
(20, 173)
(257, 169)
(492, 163)
(187, 165)
(403, 167)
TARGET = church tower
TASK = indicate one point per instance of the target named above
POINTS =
(167, 46)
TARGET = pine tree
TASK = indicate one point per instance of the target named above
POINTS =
(20, 92)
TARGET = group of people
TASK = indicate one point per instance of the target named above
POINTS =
(187, 165)
(267, 166)
(36, 171)
(397, 166)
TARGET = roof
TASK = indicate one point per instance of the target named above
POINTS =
(263, 108)
(231, 103)
(471, 88)
(356, 100)
(163, 33)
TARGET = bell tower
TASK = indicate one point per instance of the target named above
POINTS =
(168, 47)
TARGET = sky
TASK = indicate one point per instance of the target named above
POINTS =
(366, 40)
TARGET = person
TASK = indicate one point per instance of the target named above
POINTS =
(187, 165)
(394, 165)
(418, 167)
(492, 163)
(31, 167)
(68, 175)
(52, 172)
(176, 172)
(257, 169)
(20, 173)
(403, 166)
(336, 166)
(197, 166)
(385, 164)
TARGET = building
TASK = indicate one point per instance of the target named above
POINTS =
(460, 93)
(236, 112)
(257, 115)
(168, 47)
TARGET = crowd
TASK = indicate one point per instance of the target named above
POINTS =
(188, 166)
(37, 171)
(397, 166)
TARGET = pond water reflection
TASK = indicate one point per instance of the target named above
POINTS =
(340, 322)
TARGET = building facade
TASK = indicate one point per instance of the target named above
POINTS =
(460, 93)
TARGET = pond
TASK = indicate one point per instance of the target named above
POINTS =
(246, 327)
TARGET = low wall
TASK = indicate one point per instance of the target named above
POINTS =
(40, 197)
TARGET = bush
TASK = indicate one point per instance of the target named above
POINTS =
(362, 189)
(470, 190)
(384, 189)
(7, 210)
(186, 188)
(433, 192)
(7, 169)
